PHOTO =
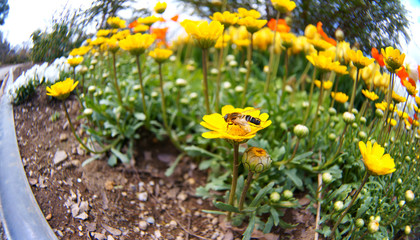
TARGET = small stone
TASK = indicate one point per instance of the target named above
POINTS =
(182, 196)
(80, 151)
(109, 185)
(59, 156)
(142, 196)
(82, 216)
(59, 233)
(172, 223)
(113, 231)
(63, 137)
(191, 181)
(143, 225)
(48, 217)
(33, 181)
(91, 227)
(150, 220)
(98, 236)
(158, 234)
(110, 237)
(215, 221)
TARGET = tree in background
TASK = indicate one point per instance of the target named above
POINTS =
(377, 23)
(4, 10)
(101, 10)
(67, 33)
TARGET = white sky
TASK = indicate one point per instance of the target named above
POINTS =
(26, 16)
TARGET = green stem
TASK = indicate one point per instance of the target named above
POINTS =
(248, 72)
(293, 154)
(388, 102)
(365, 178)
(234, 177)
(205, 85)
(310, 97)
(219, 73)
(353, 94)
(320, 97)
(117, 88)
(270, 61)
(399, 120)
(331, 160)
(286, 67)
(302, 79)
(165, 119)
(142, 88)
(245, 190)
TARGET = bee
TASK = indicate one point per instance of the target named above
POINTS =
(242, 120)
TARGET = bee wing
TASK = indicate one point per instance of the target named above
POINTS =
(250, 110)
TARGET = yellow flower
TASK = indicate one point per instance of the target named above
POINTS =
(343, 49)
(74, 61)
(383, 106)
(287, 39)
(397, 98)
(358, 59)
(140, 28)
(103, 32)
(62, 90)
(371, 95)
(121, 34)
(148, 20)
(402, 115)
(326, 84)
(243, 13)
(112, 44)
(283, 6)
(320, 44)
(252, 24)
(160, 55)
(242, 42)
(311, 31)
(226, 18)
(160, 7)
(322, 61)
(222, 41)
(239, 129)
(138, 43)
(411, 89)
(204, 33)
(80, 51)
(256, 159)
(393, 59)
(98, 41)
(375, 160)
(339, 97)
(116, 22)
(417, 99)
(392, 121)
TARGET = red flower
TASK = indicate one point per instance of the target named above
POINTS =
(133, 24)
(378, 57)
(281, 25)
(324, 35)
(160, 33)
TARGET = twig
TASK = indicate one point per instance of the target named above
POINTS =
(318, 208)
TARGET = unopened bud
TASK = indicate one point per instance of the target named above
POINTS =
(399, 181)
(409, 196)
(339, 34)
(378, 218)
(338, 206)
(154, 94)
(274, 196)
(379, 113)
(348, 117)
(407, 230)
(362, 135)
(287, 194)
(332, 111)
(360, 223)
(301, 131)
(256, 159)
(214, 71)
(239, 89)
(283, 126)
(180, 82)
(332, 136)
(354, 125)
(355, 111)
(87, 111)
(91, 89)
(373, 226)
(327, 177)
(363, 120)
(401, 203)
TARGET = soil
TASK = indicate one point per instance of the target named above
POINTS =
(134, 201)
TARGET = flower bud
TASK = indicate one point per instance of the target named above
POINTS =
(94, 62)
(256, 159)
(91, 89)
(399, 181)
(348, 117)
(363, 120)
(154, 94)
(362, 135)
(214, 71)
(401, 203)
(230, 58)
(409, 196)
(407, 230)
(226, 85)
(233, 63)
(354, 125)
(274, 196)
(184, 100)
(243, 70)
(335, 119)
(287, 194)
(327, 177)
(239, 89)
(407, 158)
(360, 223)
(378, 218)
(193, 95)
(83, 69)
(379, 113)
(87, 111)
(305, 104)
(180, 82)
(338, 206)
(332, 111)
(301, 131)
(172, 58)
(283, 126)
(332, 136)
(373, 226)
(355, 111)
(266, 69)
(339, 34)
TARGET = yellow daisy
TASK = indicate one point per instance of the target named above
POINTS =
(62, 90)
(375, 160)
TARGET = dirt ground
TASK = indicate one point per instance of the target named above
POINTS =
(125, 202)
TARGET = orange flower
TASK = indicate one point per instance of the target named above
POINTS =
(160, 33)
(378, 57)
(281, 25)
(402, 74)
(175, 18)
(324, 35)
(133, 24)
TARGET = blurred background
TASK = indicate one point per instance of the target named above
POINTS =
(368, 24)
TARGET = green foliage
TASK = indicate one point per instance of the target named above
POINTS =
(101, 10)
(4, 10)
(368, 23)
(66, 33)
(9, 55)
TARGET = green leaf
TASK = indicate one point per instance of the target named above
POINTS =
(286, 225)
(226, 207)
(268, 225)
(112, 160)
(295, 179)
(171, 169)
(302, 156)
(214, 212)
(197, 151)
(364, 207)
(121, 156)
(263, 192)
(275, 216)
(250, 228)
